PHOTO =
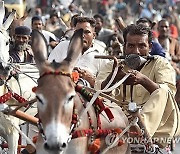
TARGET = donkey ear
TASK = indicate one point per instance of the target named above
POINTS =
(39, 47)
(74, 50)
(2, 12)
(9, 20)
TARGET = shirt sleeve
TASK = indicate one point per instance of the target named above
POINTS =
(165, 74)
(103, 74)
(59, 53)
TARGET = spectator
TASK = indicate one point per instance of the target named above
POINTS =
(173, 27)
(156, 46)
(153, 85)
(87, 66)
(51, 39)
(147, 11)
(55, 25)
(172, 48)
(121, 9)
(69, 32)
(21, 51)
(171, 45)
(102, 34)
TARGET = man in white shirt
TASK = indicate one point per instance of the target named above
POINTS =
(87, 66)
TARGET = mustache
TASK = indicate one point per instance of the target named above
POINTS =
(21, 47)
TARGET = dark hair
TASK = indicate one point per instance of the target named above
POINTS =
(166, 15)
(137, 30)
(100, 17)
(92, 21)
(35, 18)
(146, 20)
(73, 19)
(163, 20)
(53, 13)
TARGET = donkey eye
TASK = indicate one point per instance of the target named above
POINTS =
(71, 98)
(39, 99)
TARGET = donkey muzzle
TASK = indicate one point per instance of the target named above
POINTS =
(55, 146)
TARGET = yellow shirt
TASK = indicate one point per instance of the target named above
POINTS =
(159, 110)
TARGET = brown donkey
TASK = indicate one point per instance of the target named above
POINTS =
(59, 104)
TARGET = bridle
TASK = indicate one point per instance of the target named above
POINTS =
(91, 132)
(74, 76)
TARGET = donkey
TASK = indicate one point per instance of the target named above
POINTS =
(7, 131)
(4, 41)
(57, 100)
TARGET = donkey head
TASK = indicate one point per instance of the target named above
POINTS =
(4, 39)
(55, 92)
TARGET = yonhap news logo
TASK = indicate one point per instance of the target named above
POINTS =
(141, 140)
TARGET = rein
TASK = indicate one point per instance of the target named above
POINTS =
(95, 134)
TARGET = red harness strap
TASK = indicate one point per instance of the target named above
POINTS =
(6, 97)
(19, 98)
(98, 102)
(98, 132)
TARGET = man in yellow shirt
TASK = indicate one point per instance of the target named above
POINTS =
(153, 84)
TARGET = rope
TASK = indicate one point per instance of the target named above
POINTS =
(120, 135)
(106, 89)
(24, 135)
(97, 93)
(25, 73)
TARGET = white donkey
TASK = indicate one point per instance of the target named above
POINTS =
(23, 88)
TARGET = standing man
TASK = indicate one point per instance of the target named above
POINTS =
(87, 66)
(151, 85)
(171, 45)
(20, 51)
(103, 34)
(156, 46)
(52, 41)
(172, 48)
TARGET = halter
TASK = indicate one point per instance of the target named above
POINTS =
(74, 75)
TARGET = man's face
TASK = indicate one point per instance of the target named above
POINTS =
(137, 44)
(54, 19)
(37, 24)
(88, 34)
(163, 28)
(99, 24)
(21, 41)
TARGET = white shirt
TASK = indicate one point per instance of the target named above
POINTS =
(47, 36)
(86, 61)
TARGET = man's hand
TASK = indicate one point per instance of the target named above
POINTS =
(86, 75)
(53, 44)
(135, 78)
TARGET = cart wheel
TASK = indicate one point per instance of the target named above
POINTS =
(3, 146)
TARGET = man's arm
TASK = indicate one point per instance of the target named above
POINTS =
(135, 78)
(148, 84)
